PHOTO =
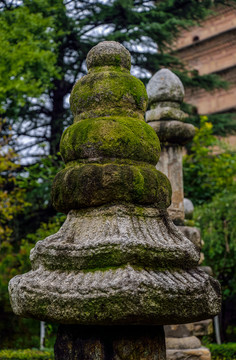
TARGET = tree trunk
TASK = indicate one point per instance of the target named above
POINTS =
(57, 116)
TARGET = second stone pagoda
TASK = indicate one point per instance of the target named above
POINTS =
(118, 258)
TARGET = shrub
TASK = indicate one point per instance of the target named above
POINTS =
(26, 354)
(223, 351)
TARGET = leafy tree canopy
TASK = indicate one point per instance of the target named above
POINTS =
(218, 229)
(210, 167)
(209, 180)
(45, 43)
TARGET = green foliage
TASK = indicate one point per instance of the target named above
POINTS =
(218, 229)
(26, 354)
(28, 54)
(210, 167)
(37, 180)
(12, 202)
(15, 259)
(223, 124)
(209, 180)
(223, 351)
(12, 197)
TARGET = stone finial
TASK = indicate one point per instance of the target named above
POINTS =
(165, 94)
(118, 258)
(188, 208)
(108, 53)
(165, 86)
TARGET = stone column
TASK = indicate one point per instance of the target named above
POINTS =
(166, 93)
(118, 269)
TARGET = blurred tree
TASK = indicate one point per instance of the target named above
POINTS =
(218, 229)
(210, 168)
(12, 202)
(45, 42)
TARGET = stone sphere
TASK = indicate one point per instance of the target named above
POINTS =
(188, 208)
(108, 53)
(165, 86)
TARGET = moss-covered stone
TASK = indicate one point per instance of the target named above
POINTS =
(85, 185)
(108, 92)
(173, 132)
(110, 54)
(113, 137)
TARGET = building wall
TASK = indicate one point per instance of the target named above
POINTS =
(211, 48)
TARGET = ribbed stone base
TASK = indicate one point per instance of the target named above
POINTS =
(110, 343)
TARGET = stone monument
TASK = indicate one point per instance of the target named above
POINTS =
(166, 93)
(118, 269)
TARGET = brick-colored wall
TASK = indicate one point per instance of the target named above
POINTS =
(211, 55)
(213, 52)
(217, 100)
(223, 19)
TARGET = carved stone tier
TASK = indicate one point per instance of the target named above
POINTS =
(125, 264)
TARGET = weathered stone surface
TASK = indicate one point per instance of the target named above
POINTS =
(188, 354)
(104, 139)
(202, 328)
(165, 110)
(199, 329)
(188, 342)
(118, 263)
(165, 86)
(179, 330)
(109, 89)
(166, 119)
(173, 132)
(85, 185)
(188, 208)
(108, 53)
(207, 269)
(170, 163)
(193, 234)
(115, 296)
(165, 93)
(110, 343)
(80, 273)
(115, 236)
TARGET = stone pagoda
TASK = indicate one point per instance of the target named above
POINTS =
(118, 269)
(166, 93)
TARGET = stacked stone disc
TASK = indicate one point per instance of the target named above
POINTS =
(118, 258)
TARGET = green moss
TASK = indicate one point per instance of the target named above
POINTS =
(108, 93)
(113, 137)
(86, 185)
(138, 182)
(114, 256)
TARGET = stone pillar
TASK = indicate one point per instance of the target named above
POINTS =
(166, 93)
(110, 343)
(118, 269)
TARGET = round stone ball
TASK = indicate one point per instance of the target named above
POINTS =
(108, 53)
(165, 86)
(188, 208)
